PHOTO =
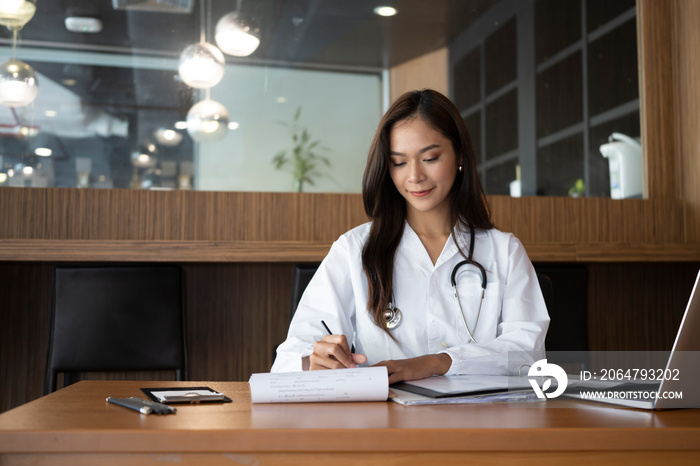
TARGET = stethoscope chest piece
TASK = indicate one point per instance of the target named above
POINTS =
(392, 316)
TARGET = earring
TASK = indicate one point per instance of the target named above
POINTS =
(459, 168)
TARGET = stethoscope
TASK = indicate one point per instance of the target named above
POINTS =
(392, 315)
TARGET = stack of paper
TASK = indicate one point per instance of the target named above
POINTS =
(361, 384)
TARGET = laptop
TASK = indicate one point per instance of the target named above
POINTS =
(681, 373)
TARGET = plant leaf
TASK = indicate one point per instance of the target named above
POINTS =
(302, 159)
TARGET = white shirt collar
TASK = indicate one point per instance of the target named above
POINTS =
(448, 251)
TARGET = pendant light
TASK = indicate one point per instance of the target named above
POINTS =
(145, 155)
(235, 36)
(202, 64)
(18, 83)
(207, 121)
(16, 13)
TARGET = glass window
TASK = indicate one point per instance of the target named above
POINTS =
(559, 166)
(559, 96)
(563, 102)
(112, 107)
(530, 78)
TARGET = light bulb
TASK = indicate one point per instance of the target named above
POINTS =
(142, 159)
(201, 65)
(10, 5)
(385, 11)
(18, 84)
(235, 37)
(43, 151)
(168, 137)
(16, 13)
(207, 121)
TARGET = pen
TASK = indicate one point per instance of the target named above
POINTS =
(352, 349)
(131, 404)
(142, 406)
(326, 327)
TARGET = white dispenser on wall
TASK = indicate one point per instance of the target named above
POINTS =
(624, 156)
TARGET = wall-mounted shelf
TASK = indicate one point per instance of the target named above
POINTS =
(24, 250)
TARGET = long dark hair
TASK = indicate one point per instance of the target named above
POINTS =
(386, 207)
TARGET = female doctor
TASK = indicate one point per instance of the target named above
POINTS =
(385, 290)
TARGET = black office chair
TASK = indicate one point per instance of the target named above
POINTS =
(303, 273)
(116, 318)
(547, 289)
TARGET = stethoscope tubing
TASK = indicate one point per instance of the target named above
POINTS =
(453, 279)
(392, 316)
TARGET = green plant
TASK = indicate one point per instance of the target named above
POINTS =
(578, 189)
(303, 158)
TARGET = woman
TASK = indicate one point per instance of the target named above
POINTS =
(421, 190)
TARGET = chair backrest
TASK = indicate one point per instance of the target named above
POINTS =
(567, 338)
(303, 273)
(116, 318)
(567, 306)
(547, 289)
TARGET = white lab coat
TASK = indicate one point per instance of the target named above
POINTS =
(511, 327)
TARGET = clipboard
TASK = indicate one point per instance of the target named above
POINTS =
(442, 386)
(185, 395)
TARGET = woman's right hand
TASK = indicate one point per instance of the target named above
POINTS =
(333, 352)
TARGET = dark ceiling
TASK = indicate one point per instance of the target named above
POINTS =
(300, 32)
(342, 35)
(334, 35)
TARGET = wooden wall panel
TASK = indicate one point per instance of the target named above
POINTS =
(657, 90)
(687, 69)
(66, 213)
(120, 214)
(429, 71)
(24, 331)
(236, 316)
(637, 307)
(563, 219)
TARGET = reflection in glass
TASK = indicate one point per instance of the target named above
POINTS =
(560, 166)
(235, 37)
(599, 135)
(624, 156)
(541, 84)
(560, 78)
(16, 13)
(18, 84)
(207, 121)
(201, 65)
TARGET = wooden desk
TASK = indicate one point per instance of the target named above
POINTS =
(75, 426)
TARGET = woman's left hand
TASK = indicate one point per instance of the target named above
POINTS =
(417, 368)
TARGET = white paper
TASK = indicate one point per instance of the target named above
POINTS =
(361, 384)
